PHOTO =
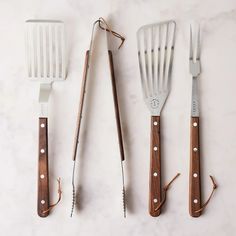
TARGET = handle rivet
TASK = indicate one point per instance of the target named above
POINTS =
(42, 202)
(195, 149)
(155, 174)
(42, 125)
(155, 123)
(41, 176)
(195, 175)
(42, 151)
(195, 201)
(195, 124)
(155, 200)
(155, 148)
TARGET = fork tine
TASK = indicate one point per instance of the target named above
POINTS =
(198, 44)
(191, 44)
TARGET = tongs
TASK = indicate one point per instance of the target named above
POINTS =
(104, 26)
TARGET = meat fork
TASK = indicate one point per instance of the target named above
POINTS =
(195, 207)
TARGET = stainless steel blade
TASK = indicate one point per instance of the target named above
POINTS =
(155, 52)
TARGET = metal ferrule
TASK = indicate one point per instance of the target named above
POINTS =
(195, 100)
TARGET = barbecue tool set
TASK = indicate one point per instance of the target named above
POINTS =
(45, 50)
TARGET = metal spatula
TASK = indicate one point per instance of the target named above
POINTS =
(155, 51)
(46, 63)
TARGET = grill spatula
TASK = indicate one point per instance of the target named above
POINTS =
(155, 52)
(45, 63)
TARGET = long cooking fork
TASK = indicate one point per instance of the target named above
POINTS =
(155, 53)
(195, 180)
(195, 205)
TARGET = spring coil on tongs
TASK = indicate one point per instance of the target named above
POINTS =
(104, 26)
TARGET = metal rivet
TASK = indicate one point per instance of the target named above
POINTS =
(155, 174)
(42, 202)
(42, 125)
(195, 124)
(155, 148)
(195, 149)
(195, 175)
(41, 176)
(155, 123)
(155, 200)
(42, 151)
(195, 201)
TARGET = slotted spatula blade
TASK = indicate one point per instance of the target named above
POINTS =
(45, 50)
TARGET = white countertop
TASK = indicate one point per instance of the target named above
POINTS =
(98, 166)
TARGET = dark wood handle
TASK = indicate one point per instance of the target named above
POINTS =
(116, 105)
(81, 105)
(43, 178)
(195, 177)
(155, 167)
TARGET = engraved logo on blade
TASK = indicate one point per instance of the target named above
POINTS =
(154, 103)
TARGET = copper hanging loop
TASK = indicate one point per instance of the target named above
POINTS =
(108, 28)
(214, 187)
(59, 197)
(165, 191)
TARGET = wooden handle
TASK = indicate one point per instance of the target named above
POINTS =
(195, 177)
(155, 167)
(116, 104)
(81, 105)
(43, 178)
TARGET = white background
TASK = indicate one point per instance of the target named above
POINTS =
(98, 167)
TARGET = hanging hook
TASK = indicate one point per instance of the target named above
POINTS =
(108, 28)
(59, 196)
(214, 187)
(165, 191)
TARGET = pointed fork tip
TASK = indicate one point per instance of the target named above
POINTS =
(197, 45)
(191, 44)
